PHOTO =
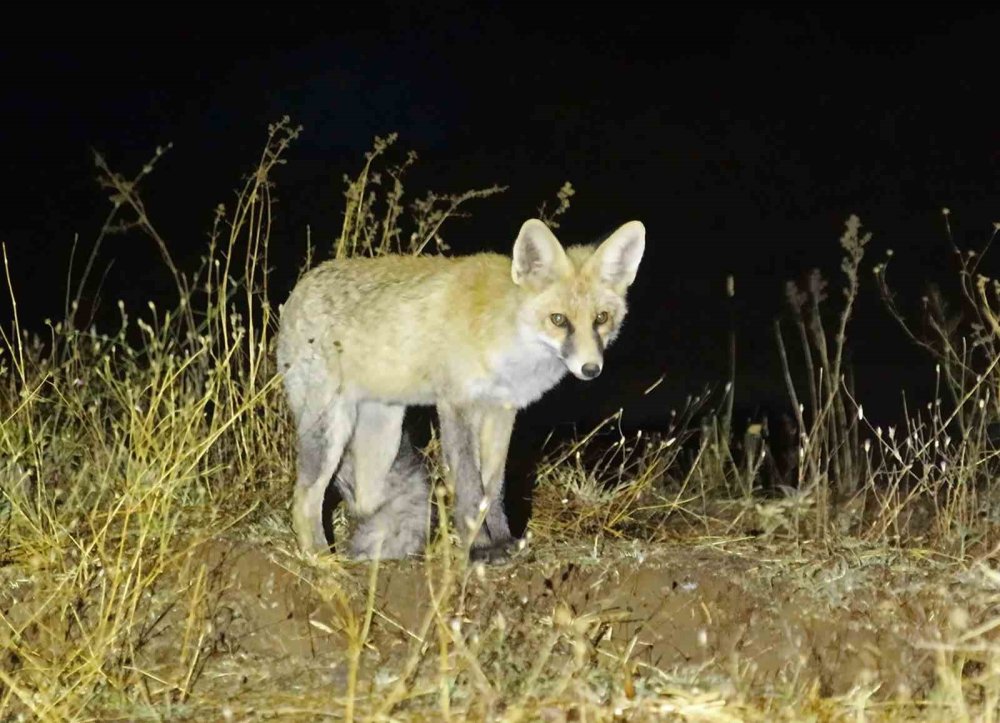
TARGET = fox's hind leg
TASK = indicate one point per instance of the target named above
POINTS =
(398, 527)
(390, 494)
(323, 432)
(374, 447)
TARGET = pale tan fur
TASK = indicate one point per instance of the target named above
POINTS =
(361, 339)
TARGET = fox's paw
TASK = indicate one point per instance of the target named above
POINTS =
(496, 553)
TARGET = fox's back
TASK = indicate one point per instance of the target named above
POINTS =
(399, 325)
(352, 290)
(371, 293)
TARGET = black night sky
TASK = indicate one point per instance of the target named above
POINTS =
(743, 138)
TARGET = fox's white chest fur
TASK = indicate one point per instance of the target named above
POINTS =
(518, 376)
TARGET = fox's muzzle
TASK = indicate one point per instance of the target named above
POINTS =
(583, 355)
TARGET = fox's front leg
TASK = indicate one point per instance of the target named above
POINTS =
(496, 425)
(475, 440)
(460, 444)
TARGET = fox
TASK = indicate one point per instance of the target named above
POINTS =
(479, 337)
(397, 528)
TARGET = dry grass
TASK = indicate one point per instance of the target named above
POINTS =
(147, 569)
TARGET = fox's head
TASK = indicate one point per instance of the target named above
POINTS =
(576, 299)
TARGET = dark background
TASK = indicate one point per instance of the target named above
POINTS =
(742, 138)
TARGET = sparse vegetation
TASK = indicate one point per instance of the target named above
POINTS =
(148, 569)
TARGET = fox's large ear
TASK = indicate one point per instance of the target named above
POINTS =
(616, 261)
(539, 258)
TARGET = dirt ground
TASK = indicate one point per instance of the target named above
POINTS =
(735, 618)
(734, 621)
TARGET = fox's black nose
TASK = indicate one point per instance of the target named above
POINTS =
(591, 370)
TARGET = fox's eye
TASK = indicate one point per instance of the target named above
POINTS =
(601, 318)
(558, 319)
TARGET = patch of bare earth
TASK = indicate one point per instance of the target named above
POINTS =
(737, 622)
